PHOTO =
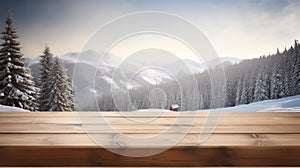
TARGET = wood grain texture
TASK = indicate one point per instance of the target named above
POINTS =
(60, 139)
(142, 128)
(109, 140)
(189, 156)
(152, 121)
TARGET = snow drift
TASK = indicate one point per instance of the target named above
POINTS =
(288, 104)
(11, 109)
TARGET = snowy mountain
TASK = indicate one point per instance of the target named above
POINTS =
(288, 104)
(95, 74)
(225, 61)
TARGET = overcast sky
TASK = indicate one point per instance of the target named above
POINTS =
(243, 29)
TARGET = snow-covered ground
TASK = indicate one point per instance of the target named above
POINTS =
(288, 104)
(154, 110)
(11, 109)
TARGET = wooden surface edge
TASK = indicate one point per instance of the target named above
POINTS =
(188, 156)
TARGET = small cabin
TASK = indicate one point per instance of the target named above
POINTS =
(174, 107)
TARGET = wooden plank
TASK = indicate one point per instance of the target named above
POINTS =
(114, 140)
(141, 128)
(150, 114)
(58, 139)
(187, 121)
(194, 157)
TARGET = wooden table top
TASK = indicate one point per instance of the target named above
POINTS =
(61, 139)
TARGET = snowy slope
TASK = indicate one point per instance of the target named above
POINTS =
(289, 104)
(154, 110)
(11, 109)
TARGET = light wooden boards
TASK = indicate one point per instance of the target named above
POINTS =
(60, 139)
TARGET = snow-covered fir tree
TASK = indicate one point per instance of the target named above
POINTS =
(245, 92)
(230, 93)
(286, 85)
(287, 63)
(16, 85)
(296, 70)
(251, 88)
(276, 83)
(45, 80)
(70, 94)
(239, 92)
(61, 97)
(260, 92)
(193, 102)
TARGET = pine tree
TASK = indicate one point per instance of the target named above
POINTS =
(201, 100)
(194, 99)
(296, 70)
(61, 97)
(70, 94)
(276, 83)
(251, 88)
(245, 92)
(230, 94)
(45, 80)
(287, 69)
(286, 85)
(16, 85)
(278, 52)
(266, 79)
(239, 92)
(260, 92)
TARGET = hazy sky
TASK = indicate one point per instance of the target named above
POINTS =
(243, 29)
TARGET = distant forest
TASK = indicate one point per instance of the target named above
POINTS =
(267, 77)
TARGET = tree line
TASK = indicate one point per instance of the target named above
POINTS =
(267, 77)
(272, 77)
(53, 90)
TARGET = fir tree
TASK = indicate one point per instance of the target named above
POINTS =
(45, 80)
(239, 92)
(286, 85)
(70, 94)
(296, 70)
(287, 72)
(201, 102)
(16, 85)
(251, 88)
(61, 97)
(260, 92)
(266, 79)
(278, 52)
(245, 92)
(230, 94)
(276, 83)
